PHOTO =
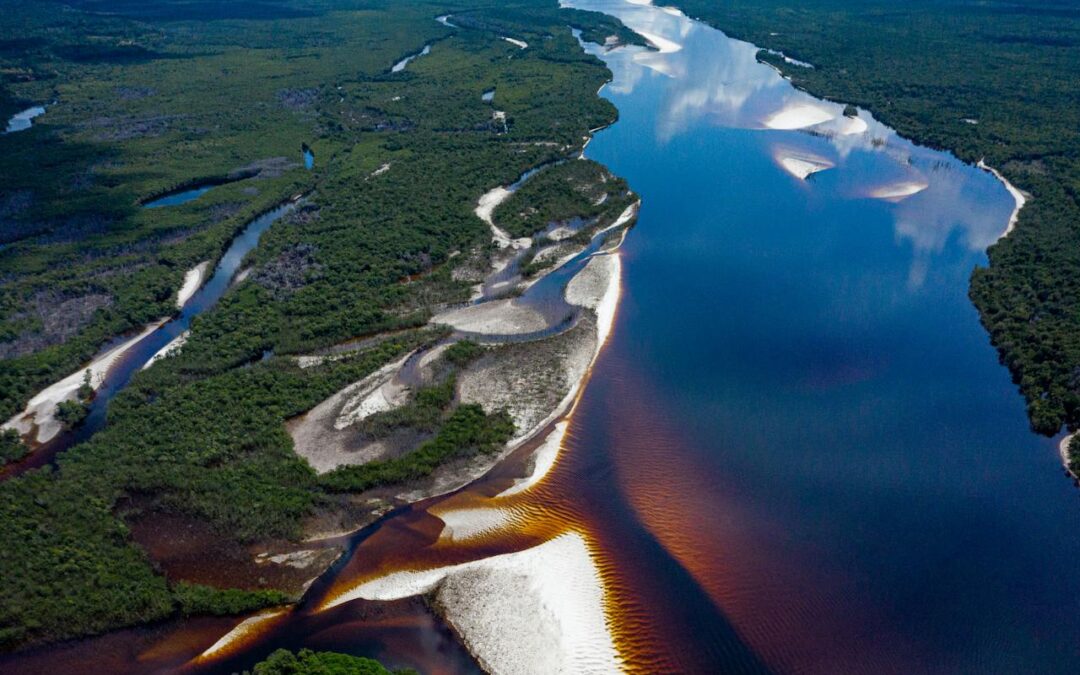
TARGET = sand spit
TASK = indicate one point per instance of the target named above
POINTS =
(543, 459)
(39, 416)
(1019, 196)
(193, 279)
(898, 192)
(798, 116)
(248, 627)
(540, 610)
(498, 317)
(168, 350)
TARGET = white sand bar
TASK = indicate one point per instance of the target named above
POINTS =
(193, 279)
(798, 116)
(466, 524)
(41, 410)
(168, 350)
(520, 44)
(538, 611)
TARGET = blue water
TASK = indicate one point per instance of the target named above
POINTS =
(21, 121)
(177, 198)
(798, 404)
(309, 158)
(400, 65)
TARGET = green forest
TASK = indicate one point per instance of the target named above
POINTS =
(145, 98)
(924, 67)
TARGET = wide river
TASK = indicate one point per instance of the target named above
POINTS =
(798, 451)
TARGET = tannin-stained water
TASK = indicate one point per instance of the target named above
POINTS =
(797, 451)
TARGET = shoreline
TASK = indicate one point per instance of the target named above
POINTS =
(1019, 197)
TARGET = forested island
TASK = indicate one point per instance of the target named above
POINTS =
(989, 82)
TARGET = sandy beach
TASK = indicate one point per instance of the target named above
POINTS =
(1019, 196)
(193, 279)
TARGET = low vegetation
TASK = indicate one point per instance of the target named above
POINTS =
(307, 662)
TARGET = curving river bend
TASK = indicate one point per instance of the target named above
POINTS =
(797, 451)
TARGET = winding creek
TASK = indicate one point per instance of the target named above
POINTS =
(133, 354)
(797, 451)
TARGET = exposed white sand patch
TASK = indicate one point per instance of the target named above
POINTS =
(798, 116)
(498, 317)
(316, 434)
(486, 206)
(535, 611)
(897, 192)
(1063, 450)
(242, 275)
(1019, 196)
(193, 279)
(488, 201)
(381, 170)
(385, 393)
(168, 350)
(543, 459)
(803, 166)
(465, 524)
(520, 44)
(246, 627)
(41, 410)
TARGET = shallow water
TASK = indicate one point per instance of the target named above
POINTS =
(177, 198)
(400, 65)
(21, 121)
